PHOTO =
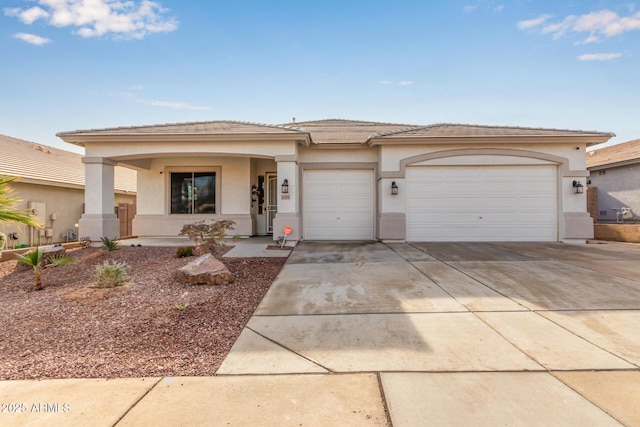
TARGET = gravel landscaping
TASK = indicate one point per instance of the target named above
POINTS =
(154, 325)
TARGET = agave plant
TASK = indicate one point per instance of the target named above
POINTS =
(34, 260)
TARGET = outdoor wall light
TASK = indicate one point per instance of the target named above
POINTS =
(394, 189)
(579, 188)
(285, 186)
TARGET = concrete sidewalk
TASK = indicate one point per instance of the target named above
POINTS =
(402, 335)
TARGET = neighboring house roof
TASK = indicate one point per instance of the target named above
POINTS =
(41, 164)
(330, 131)
(614, 155)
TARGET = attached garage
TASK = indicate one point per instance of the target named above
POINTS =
(338, 204)
(482, 203)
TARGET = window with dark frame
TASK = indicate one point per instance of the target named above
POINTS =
(193, 193)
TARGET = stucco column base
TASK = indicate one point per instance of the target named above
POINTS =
(292, 220)
(96, 226)
(392, 227)
(578, 227)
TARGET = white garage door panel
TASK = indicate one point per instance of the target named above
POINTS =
(338, 204)
(483, 203)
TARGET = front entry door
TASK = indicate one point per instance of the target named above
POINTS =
(271, 195)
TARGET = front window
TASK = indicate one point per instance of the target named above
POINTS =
(193, 192)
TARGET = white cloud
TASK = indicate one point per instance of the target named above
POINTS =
(401, 83)
(532, 23)
(95, 18)
(484, 4)
(172, 104)
(27, 16)
(603, 23)
(599, 56)
(32, 38)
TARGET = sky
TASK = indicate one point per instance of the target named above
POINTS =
(83, 64)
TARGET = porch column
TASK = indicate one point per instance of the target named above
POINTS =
(99, 219)
(288, 203)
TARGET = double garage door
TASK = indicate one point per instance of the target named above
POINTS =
(443, 203)
(482, 203)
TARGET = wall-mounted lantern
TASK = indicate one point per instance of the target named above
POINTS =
(578, 187)
(394, 189)
(285, 186)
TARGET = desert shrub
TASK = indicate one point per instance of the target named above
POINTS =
(207, 237)
(110, 275)
(184, 251)
(3, 240)
(110, 244)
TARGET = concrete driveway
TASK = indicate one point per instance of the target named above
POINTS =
(459, 334)
(368, 334)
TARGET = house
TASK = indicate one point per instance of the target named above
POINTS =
(51, 185)
(345, 180)
(615, 174)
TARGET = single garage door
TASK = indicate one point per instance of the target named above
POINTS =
(482, 203)
(338, 204)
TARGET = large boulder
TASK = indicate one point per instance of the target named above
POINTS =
(205, 270)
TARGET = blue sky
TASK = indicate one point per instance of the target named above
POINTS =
(78, 64)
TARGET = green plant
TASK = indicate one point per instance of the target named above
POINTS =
(184, 251)
(182, 307)
(8, 213)
(110, 244)
(34, 259)
(3, 241)
(207, 237)
(110, 275)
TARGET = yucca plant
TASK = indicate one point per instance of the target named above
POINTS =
(34, 260)
(110, 244)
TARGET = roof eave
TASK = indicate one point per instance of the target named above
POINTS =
(81, 139)
(614, 164)
(588, 139)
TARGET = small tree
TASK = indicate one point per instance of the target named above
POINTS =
(34, 259)
(207, 237)
(8, 201)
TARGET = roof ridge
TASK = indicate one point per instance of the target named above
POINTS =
(350, 121)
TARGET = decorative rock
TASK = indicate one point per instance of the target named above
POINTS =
(51, 252)
(205, 270)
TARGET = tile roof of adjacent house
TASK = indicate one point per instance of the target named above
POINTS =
(37, 163)
(615, 155)
(332, 131)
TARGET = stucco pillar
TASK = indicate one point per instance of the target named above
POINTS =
(288, 203)
(576, 225)
(99, 219)
(392, 219)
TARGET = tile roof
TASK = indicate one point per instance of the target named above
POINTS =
(462, 130)
(210, 127)
(626, 152)
(337, 131)
(39, 162)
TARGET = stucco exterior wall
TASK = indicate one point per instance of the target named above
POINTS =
(617, 188)
(233, 194)
(574, 224)
(65, 203)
